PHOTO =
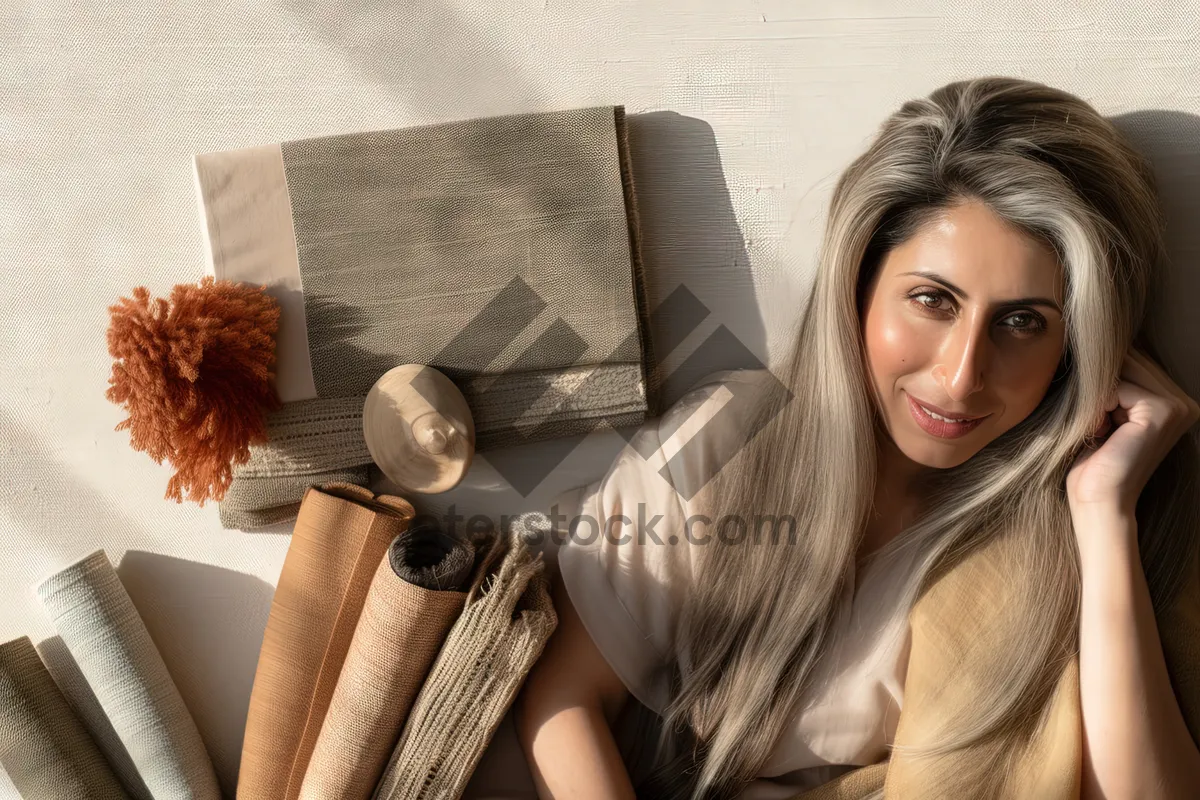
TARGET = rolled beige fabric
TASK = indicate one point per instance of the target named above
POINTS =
(44, 748)
(341, 534)
(487, 654)
(253, 502)
(130, 704)
(417, 594)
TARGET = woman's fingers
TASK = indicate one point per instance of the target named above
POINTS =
(1139, 368)
(1147, 373)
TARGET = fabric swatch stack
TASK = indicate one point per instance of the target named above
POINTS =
(113, 724)
(391, 654)
(503, 251)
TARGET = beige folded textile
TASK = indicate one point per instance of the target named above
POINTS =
(130, 703)
(341, 534)
(478, 672)
(254, 503)
(44, 748)
(504, 251)
(416, 595)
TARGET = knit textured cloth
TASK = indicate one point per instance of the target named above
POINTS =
(417, 593)
(129, 702)
(487, 654)
(503, 251)
(44, 748)
(340, 538)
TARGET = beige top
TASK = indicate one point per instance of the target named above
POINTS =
(627, 593)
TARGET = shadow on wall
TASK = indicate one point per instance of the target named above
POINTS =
(1171, 140)
(691, 239)
(225, 615)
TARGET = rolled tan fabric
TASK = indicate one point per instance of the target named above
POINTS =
(341, 534)
(130, 704)
(487, 654)
(44, 748)
(418, 592)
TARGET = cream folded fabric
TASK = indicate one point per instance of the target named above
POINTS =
(340, 538)
(416, 595)
(44, 748)
(504, 251)
(487, 654)
(145, 731)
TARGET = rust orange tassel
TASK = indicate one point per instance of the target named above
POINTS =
(196, 376)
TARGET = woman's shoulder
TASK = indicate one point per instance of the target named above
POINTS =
(709, 425)
(670, 458)
(630, 552)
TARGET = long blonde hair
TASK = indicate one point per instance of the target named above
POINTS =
(757, 617)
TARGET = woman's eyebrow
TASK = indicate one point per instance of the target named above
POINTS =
(1020, 301)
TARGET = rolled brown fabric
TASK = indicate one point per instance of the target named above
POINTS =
(417, 594)
(487, 654)
(44, 747)
(341, 534)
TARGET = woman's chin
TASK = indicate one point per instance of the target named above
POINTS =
(937, 454)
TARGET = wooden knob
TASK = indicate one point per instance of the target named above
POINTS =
(419, 429)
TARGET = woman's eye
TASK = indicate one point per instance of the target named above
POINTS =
(918, 297)
(1026, 322)
(1032, 323)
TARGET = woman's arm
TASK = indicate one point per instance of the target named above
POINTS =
(1136, 743)
(565, 711)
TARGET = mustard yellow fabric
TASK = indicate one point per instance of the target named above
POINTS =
(947, 651)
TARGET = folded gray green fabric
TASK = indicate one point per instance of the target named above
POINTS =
(504, 251)
(478, 671)
(44, 748)
(144, 730)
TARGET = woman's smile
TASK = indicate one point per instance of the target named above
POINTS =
(943, 428)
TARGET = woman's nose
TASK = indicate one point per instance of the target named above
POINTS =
(961, 364)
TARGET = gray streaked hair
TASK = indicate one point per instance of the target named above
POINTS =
(757, 618)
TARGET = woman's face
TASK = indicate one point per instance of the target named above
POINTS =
(978, 335)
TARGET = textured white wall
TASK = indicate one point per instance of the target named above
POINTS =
(744, 114)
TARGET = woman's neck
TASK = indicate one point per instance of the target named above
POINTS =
(897, 498)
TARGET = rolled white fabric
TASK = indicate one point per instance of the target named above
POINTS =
(145, 720)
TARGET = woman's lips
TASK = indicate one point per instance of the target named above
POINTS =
(937, 427)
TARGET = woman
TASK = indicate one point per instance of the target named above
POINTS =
(988, 258)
